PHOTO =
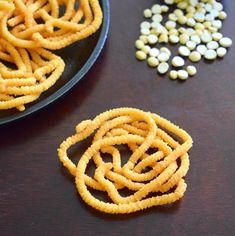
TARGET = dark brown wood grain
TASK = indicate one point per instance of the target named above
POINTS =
(38, 197)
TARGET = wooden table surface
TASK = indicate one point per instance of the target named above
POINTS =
(38, 197)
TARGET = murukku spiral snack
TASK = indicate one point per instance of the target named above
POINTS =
(40, 23)
(155, 178)
(36, 71)
(27, 28)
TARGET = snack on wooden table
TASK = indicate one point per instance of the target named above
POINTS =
(155, 178)
(26, 28)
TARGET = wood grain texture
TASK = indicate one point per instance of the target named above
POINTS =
(38, 197)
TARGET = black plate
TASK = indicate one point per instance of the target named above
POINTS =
(79, 58)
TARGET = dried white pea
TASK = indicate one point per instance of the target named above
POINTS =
(157, 18)
(166, 50)
(226, 42)
(164, 8)
(191, 22)
(214, 12)
(210, 54)
(195, 56)
(173, 39)
(217, 24)
(196, 39)
(209, 17)
(177, 61)
(145, 31)
(156, 9)
(218, 6)
(217, 36)
(222, 15)
(201, 49)
(147, 13)
(145, 24)
(152, 61)
(182, 74)
(154, 52)
(140, 55)
(172, 17)
(146, 49)
(162, 68)
(206, 37)
(173, 74)
(152, 39)
(192, 70)
(200, 17)
(184, 38)
(163, 57)
(212, 45)
(139, 44)
(170, 25)
(184, 51)
(169, 2)
(191, 45)
(221, 52)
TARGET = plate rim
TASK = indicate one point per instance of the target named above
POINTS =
(75, 79)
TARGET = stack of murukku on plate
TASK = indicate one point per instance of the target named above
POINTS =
(154, 172)
(28, 29)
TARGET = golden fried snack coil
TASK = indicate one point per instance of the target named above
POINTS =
(140, 131)
(36, 71)
(27, 33)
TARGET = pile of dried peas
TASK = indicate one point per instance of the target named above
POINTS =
(194, 24)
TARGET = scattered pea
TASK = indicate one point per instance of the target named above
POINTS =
(184, 38)
(210, 54)
(173, 39)
(182, 74)
(146, 49)
(145, 24)
(212, 45)
(173, 74)
(196, 39)
(152, 61)
(225, 42)
(156, 9)
(140, 55)
(147, 13)
(157, 18)
(163, 38)
(202, 20)
(201, 49)
(154, 52)
(217, 36)
(170, 25)
(166, 50)
(163, 57)
(221, 52)
(192, 70)
(145, 31)
(195, 56)
(177, 61)
(191, 45)
(184, 51)
(152, 39)
(162, 68)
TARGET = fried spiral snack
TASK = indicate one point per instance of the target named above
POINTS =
(39, 23)
(27, 28)
(155, 178)
(36, 71)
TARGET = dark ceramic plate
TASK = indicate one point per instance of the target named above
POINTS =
(79, 58)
